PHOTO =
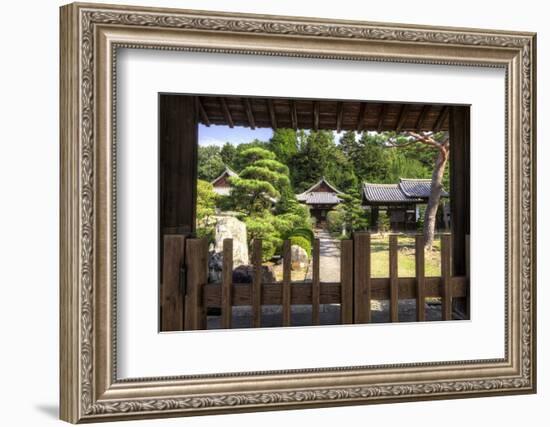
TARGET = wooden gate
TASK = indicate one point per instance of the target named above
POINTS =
(186, 294)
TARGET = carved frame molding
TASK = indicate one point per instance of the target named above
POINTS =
(90, 36)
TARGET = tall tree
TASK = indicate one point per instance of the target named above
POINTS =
(262, 188)
(370, 158)
(259, 182)
(210, 164)
(312, 160)
(284, 143)
(348, 143)
(228, 153)
(239, 161)
(439, 142)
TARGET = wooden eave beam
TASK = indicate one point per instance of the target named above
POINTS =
(441, 119)
(339, 116)
(381, 117)
(293, 114)
(402, 117)
(249, 114)
(422, 117)
(316, 115)
(361, 117)
(226, 112)
(202, 112)
(272, 117)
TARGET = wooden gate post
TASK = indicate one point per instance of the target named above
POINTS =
(361, 277)
(459, 136)
(346, 281)
(227, 283)
(171, 292)
(196, 263)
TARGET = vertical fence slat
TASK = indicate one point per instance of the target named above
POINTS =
(315, 285)
(362, 282)
(446, 296)
(286, 283)
(394, 281)
(419, 271)
(227, 282)
(197, 275)
(346, 281)
(257, 283)
(172, 296)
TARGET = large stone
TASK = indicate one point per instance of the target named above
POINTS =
(215, 262)
(298, 257)
(245, 274)
(229, 227)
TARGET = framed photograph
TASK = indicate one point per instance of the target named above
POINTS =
(267, 212)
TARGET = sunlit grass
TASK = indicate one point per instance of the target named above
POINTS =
(405, 257)
(380, 259)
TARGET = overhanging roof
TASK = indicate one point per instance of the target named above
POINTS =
(320, 198)
(386, 193)
(406, 191)
(317, 114)
(323, 180)
(418, 187)
(226, 172)
(314, 197)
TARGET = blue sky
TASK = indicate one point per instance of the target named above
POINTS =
(219, 135)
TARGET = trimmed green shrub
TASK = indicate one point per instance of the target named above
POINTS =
(304, 243)
(384, 224)
(306, 233)
(335, 221)
(262, 228)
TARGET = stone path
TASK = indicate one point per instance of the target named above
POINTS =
(329, 251)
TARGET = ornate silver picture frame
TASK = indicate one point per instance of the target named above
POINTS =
(90, 37)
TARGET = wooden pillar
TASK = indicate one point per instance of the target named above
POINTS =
(172, 295)
(459, 134)
(178, 142)
(374, 218)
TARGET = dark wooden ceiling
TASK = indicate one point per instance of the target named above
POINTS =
(360, 116)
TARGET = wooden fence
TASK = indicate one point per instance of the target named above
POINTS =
(186, 295)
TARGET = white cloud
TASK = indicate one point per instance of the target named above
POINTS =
(213, 141)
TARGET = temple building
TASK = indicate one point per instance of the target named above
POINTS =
(221, 183)
(321, 197)
(401, 203)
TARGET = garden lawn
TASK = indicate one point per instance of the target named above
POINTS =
(405, 258)
(380, 259)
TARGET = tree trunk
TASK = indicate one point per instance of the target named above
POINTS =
(435, 196)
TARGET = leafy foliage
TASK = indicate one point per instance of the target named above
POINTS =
(210, 164)
(383, 221)
(262, 228)
(206, 206)
(304, 243)
(306, 233)
(284, 144)
(354, 214)
(273, 165)
(272, 172)
(263, 194)
(251, 195)
(228, 154)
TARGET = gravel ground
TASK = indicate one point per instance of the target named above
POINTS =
(329, 314)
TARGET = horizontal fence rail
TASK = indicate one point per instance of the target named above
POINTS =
(354, 292)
